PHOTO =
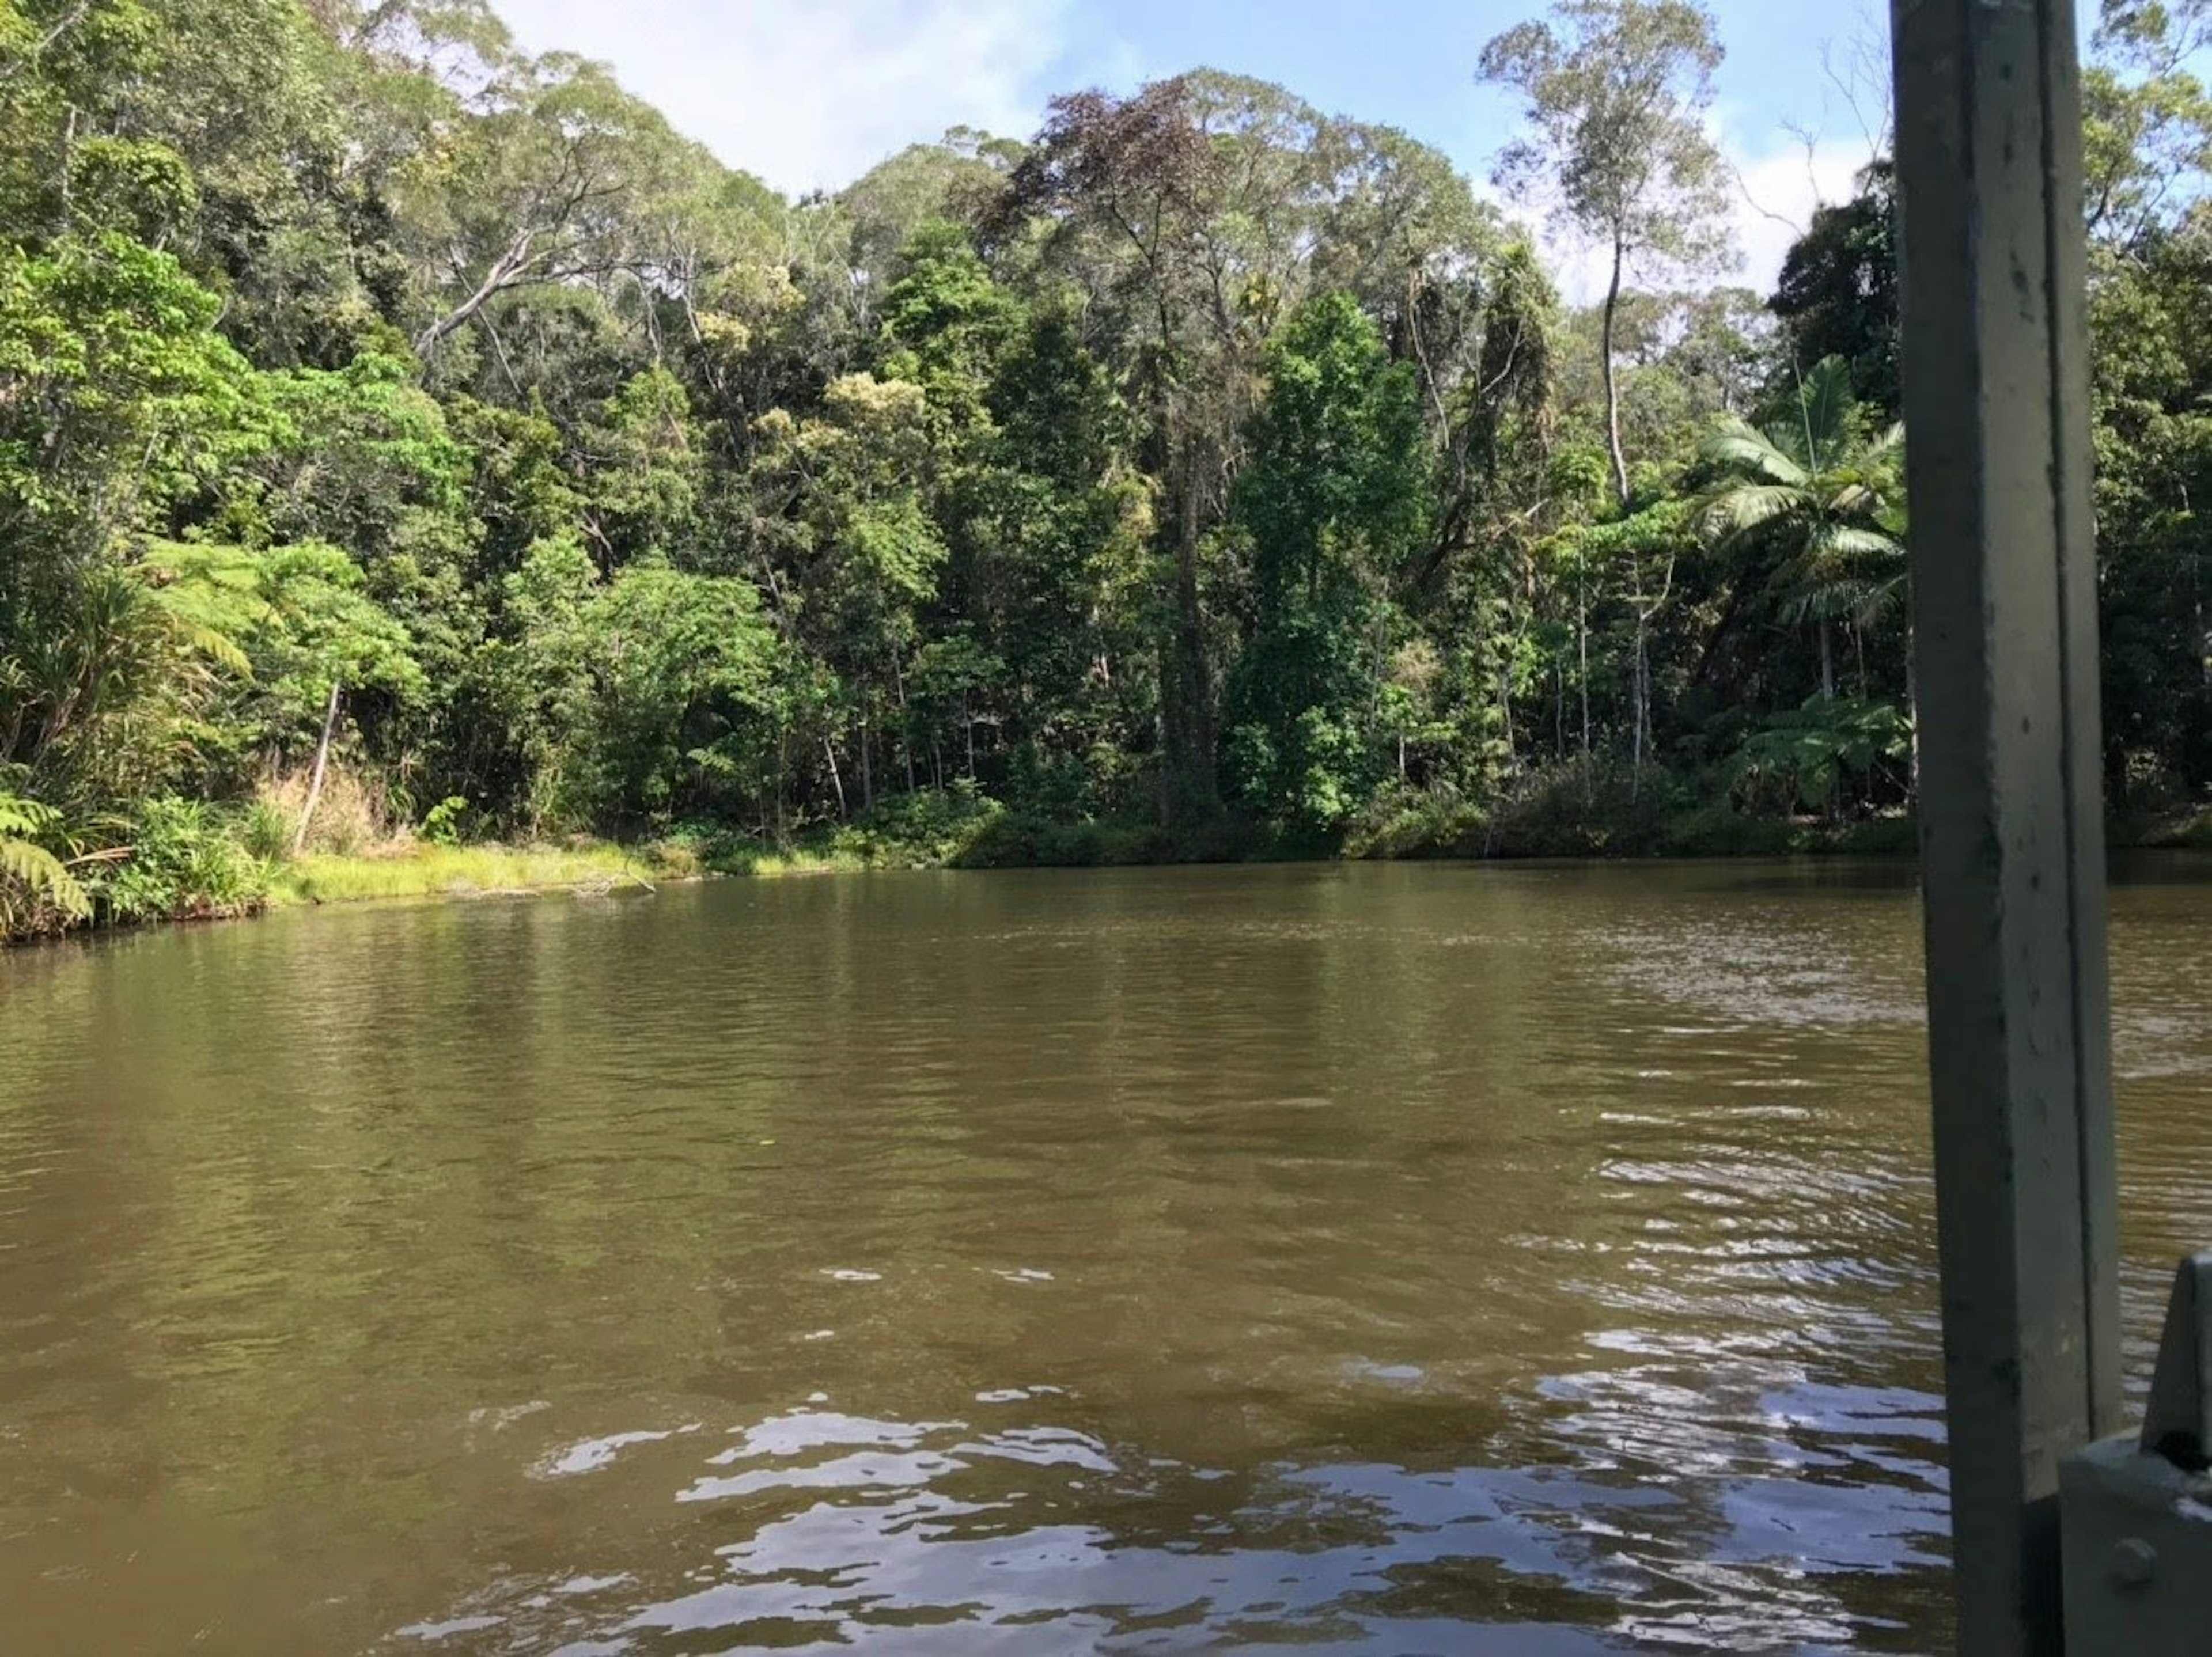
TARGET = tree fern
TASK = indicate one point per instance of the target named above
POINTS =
(33, 878)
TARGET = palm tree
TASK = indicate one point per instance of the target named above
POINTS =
(1824, 497)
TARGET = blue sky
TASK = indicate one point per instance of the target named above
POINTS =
(812, 91)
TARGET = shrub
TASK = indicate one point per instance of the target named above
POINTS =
(1406, 823)
(184, 861)
(1595, 805)
(448, 821)
(265, 829)
(353, 812)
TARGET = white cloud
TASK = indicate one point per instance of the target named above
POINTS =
(813, 92)
(1778, 193)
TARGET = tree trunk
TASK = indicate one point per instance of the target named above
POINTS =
(1612, 380)
(64, 200)
(1189, 792)
(1505, 708)
(836, 778)
(504, 273)
(1827, 662)
(322, 769)
(1912, 710)
(868, 765)
(1582, 653)
(1639, 675)
(906, 720)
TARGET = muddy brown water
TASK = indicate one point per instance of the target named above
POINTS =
(1391, 1260)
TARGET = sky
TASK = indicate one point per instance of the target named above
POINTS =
(811, 93)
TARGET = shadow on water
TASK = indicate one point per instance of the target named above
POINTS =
(1396, 1260)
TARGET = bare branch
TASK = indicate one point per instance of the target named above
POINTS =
(47, 42)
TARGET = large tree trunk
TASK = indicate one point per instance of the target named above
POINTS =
(322, 769)
(1612, 380)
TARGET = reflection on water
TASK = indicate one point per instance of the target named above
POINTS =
(1520, 1261)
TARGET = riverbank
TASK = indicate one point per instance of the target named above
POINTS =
(971, 832)
(1000, 839)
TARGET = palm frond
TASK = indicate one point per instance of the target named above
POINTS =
(1740, 448)
(45, 875)
(26, 864)
(1730, 515)
(1826, 400)
(1843, 542)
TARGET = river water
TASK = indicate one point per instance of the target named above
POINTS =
(1394, 1259)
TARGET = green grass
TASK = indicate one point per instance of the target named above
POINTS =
(979, 835)
(463, 871)
(421, 872)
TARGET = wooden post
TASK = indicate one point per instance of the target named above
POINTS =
(1996, 401)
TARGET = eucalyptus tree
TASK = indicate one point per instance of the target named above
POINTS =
(2147, 118)
(1617, 92)
(555, 179)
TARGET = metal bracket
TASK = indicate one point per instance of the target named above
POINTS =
(2136, 1513)
(2178, 1424)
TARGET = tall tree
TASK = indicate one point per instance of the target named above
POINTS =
(1191, 209)
(2147, 118)
(1617, 90)
(1838, 292)
(1334, 503)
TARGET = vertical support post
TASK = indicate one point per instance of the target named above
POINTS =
(1996, 401)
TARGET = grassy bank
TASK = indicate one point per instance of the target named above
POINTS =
(954, 832)
(421, 871)
(418, 870)
(193, 866)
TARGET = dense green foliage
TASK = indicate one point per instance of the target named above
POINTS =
(400, 434)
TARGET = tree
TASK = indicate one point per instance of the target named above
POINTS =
(1838, 292)
(1616, 90)
(1333, 504)
(561, 178)
(2147, 118)
(2151, 333)
(1823, 497)
(640, 697)
(118, 409)
(1191, 208)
